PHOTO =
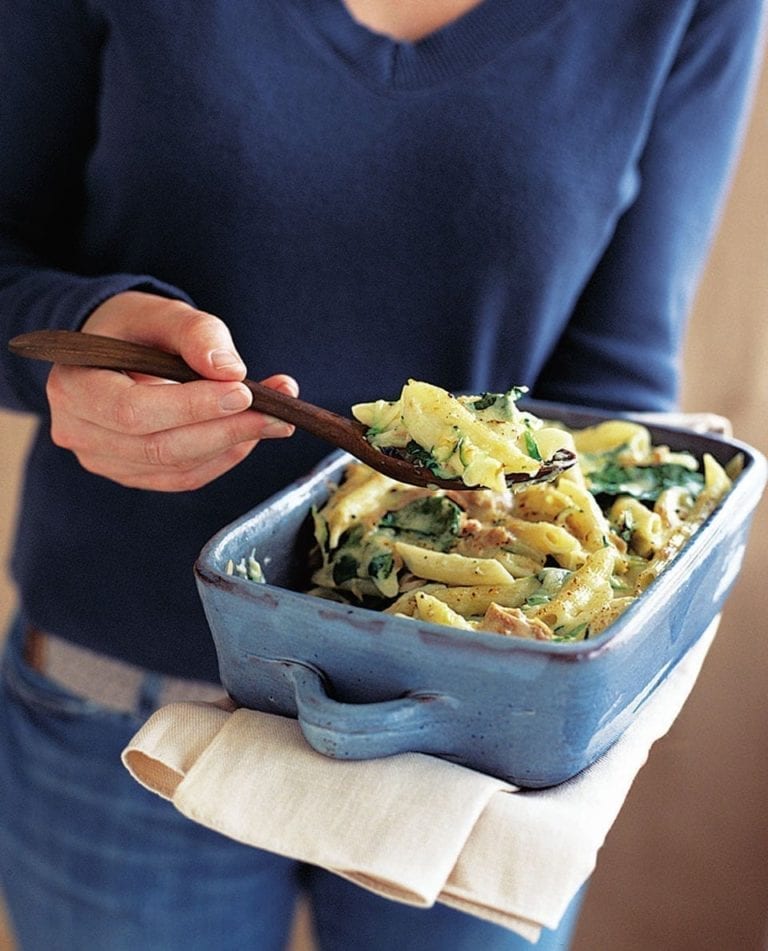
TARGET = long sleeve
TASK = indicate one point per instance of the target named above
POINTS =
(49, 75)
(630, 319)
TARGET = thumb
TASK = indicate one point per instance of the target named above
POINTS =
(206, 344)
(202, 339)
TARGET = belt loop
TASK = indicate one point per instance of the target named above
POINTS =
(148, 699)
(33, 648)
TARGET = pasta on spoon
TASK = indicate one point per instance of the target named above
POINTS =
(483, 440)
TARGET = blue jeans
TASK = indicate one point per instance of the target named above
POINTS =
(91, 860)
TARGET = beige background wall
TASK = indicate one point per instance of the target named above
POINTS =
(685, 867)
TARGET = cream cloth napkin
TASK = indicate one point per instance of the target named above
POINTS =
(410, 827)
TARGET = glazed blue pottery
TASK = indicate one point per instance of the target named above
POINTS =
(364, 684)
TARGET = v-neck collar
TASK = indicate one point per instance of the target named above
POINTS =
(461, 45)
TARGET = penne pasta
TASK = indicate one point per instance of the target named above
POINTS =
(638, 524)
(584, 594)
(560, 560)
(471, 600)
(453, 568)
(428, 608)
(351, 507)
(552, 540)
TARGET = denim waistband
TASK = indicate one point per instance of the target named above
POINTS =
(115, 684)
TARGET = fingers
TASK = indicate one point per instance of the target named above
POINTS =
(159, 436)
(174, 459)
(174, 447)
(93, 401)
(283, 383)
(115, 401)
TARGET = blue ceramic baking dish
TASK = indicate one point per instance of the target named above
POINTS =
(364, 684)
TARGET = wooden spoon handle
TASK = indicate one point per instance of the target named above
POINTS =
(108, 353)
(73, 348)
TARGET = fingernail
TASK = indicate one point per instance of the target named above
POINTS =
(235, 400)
(223, 359)
(277, 430)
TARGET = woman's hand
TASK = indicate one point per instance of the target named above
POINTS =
(149, 434)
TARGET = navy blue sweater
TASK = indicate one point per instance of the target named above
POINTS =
(524, 197)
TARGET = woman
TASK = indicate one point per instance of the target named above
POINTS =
(352, 193)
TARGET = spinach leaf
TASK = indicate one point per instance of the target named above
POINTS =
(503, 402)
(380, 566)
(645, 483)
(531, 447)
(420, 456)
(344, 569)
(433, 516)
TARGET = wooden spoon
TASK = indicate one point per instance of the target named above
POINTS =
(75, 348)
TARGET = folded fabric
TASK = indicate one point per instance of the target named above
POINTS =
(410, 827)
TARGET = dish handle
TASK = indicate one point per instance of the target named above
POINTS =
(417, 722)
